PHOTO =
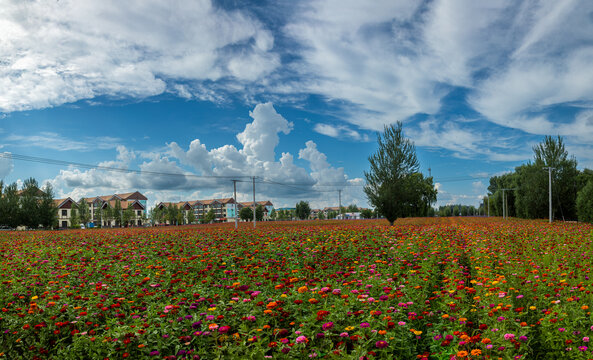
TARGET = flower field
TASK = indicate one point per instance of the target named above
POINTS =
(463, 288)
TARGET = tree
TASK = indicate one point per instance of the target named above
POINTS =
(366, 213)
(127, 216)
(332, 214)
(259, 213)
(394, 186)
(107, 214)
(191, 217)
(9, 206)
(210, 216)
(246, 213)
(302, 210)
(28, 204)
(273, 214)
(352, 208)
(84, 214)
(74, 219)
(117, 213)
(532, 182)
(585, 203)
(48, 216)
(320, 215)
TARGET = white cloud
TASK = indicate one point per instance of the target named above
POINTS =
(280, 180)
(340, 132)
(6, 165)
(54, 141)
(260, 137)
(63, 51)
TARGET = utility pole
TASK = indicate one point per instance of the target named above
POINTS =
(254, 204)
(340, 204)
(235, 193)
(549, 168)
(505, 205)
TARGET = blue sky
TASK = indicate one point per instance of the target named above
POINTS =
(291, 92)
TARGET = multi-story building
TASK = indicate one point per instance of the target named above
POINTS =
(134, 201)
(224, 209)
(64, 207)
(266, 204)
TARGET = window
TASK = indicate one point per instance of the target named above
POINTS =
(139, 212)
(64, 212)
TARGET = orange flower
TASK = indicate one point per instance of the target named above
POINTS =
(272, 305)
(476, 352)
(461, 354)
(302, 289)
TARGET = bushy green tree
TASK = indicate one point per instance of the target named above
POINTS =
(585, 203)
(302, 210)
(191, 217)
(127, 216)
(259, 213)
(366, 213)
(48, 215)
(246, 213)
(74, 219)
(273, 214)
(209, 217)
(394, 186)
(84, 213)
(117, 213)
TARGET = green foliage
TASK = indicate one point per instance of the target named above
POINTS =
(273, 214)
(84, 213)
(117, 212)
(352, 208)
(210, 216)
(530, 184)
(48, 215)
(320, 215)
(246, 213)
(74, 219)
(332, 214)
(127, 216)
(366, 213)
(191, 217)
(394, 186)
(585, 203)
(259, 213)
(302, 210)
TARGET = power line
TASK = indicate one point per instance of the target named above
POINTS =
(110, 168)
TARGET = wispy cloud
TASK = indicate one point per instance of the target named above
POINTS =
(340, 132)
(54, 141)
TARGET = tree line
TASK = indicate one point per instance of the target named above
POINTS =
(31, 206)
(524, 193)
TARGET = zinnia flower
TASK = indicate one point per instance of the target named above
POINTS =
(381, 344)
(301, 339)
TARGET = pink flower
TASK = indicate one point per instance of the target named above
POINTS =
(586, 339)
(301, 339)
(509, 336)
(327, 325)
(364, 325)
(381, 344)
(401, 323)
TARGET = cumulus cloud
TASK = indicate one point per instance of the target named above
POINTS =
(165, 177)
(62, 51)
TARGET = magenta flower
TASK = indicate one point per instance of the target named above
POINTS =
(381, 344)
(327, 325)
(301, 339)
(509, 336)
(364, 325)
